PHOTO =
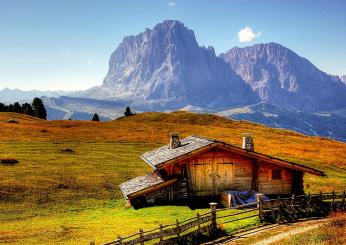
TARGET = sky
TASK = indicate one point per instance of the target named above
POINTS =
(66, 44)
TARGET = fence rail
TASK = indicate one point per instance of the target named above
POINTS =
(207, 222)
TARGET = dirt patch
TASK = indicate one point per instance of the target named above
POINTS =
(271, 234)
(67, 150)
(12, 121)
(9, 161)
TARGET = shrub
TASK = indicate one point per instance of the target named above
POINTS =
(307, 208)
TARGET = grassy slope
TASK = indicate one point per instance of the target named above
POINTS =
(67, 198)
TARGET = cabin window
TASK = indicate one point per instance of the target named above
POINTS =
(276, 174)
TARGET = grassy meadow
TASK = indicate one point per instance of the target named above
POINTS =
(64, 189)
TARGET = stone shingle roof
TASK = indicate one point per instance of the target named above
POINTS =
(140, 183)
(164, 153)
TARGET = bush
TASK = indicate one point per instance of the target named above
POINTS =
(307, 208)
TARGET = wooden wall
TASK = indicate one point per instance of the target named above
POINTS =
(268, 185)
(212, 172)
(218, 170)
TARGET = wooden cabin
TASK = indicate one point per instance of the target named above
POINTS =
(197, 167)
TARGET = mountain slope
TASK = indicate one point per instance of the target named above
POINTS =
(322, 124)
(165, 66)
(76, 108)
(279, 76)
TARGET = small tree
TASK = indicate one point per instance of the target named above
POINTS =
(17, 108)
(10, 108)
(95, 118)
(128, 112)
(2, 107)
(27, 109)
(39, 109)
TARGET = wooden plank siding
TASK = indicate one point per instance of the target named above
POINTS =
(268, 185)
(217, 170)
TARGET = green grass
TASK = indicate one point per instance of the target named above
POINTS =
(89, 206)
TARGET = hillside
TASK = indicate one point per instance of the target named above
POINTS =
(65, 186)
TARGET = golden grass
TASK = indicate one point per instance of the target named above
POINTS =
(333, 232)
(70, 197)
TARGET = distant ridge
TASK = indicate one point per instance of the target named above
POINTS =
(12, 95)
(281, 77)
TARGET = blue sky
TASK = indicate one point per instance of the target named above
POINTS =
(66, 44)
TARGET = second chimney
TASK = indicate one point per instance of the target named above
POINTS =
(174, 140)
(248, 142)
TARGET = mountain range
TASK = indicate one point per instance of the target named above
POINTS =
(164, 68)
(12, 95)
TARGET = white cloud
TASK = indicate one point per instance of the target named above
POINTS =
(171, 4)
(247, 35)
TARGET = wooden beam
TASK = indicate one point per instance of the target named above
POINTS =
(151, 189)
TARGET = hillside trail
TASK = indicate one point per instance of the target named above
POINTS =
(270, 234)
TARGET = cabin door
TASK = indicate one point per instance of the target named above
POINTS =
(224, 175)
(202, 177)
(211, 176)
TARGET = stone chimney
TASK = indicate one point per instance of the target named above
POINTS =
(174, 140)
(248, 142)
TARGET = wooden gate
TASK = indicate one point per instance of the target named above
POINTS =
(210, 176)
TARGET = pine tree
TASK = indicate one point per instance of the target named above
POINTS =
(95, 118)
(128, 112)
(17, 108)
(2, 107)
(39, 109)
(27, 109)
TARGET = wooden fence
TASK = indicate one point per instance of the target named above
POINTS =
(209, 222)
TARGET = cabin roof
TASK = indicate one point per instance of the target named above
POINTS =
(165, 153)
(141, 183)
(194, 144)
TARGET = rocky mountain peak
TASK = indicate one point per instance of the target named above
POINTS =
(280, 76)
(166, 65)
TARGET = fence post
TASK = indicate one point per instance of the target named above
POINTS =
(92, 242)
(161, 233)
(321, 196)
(199, 224)
(178, 228)
(141, 236)
(343, 200)
(213, 215)
(260, 205)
